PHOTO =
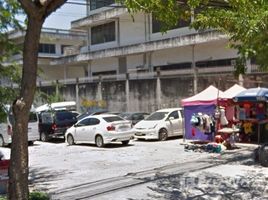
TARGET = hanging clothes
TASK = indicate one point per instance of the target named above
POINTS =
(247, 127)
(223, 119)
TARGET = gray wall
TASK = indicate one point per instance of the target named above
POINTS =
(111, 95)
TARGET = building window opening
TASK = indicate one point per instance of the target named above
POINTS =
(95, 4)
(47, 48)
(103, 33)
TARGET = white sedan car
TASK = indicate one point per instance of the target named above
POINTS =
(160, 125)
(100, 129)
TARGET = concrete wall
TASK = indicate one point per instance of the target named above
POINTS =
(132, 30)
(61, 72)
(203, 52)
(134, 61)
(106, 64)
(143, 93)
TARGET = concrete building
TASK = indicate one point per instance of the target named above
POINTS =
(119, 43)
(54, 43)
(124, 63)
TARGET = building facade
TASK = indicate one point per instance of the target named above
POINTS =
(120, 43)
(54, 43)
(123, 62)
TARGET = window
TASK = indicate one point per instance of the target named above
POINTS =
(95, 4)
(103, 33)
(174, 114)
(62, 48)
(113, 119)
(182, 114)
(33, 117)
(214, 63)
(46, 118)
(84, 122)
(94, 121)
(104, 73)
(138, 116)
(47, 48)
(157, 116)
(157, 25)
(177, 66)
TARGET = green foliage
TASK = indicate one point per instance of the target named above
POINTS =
(246, 22)
(3, 197)
(10, 73)
(38, 196)
(166, 11)
(41, 96)
(33, 196)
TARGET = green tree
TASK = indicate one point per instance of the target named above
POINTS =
(244, 21)
(9, 71)
(36, 12)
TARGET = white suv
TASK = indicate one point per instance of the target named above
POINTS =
(6, 127)
(161, 124)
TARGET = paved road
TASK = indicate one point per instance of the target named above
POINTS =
(54, 166)
(141, 170)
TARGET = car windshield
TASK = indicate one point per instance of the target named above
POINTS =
(112, 119)
(61, 116)
(125, 115)
(157, 116)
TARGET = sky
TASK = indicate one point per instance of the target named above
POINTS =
(62, 18)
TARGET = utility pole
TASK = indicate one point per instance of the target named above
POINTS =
(194, 70)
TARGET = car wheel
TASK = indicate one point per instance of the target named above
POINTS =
(70, 139)
(99, 141)
(2, 143)
(125, 142)
(44, 137)
(163, 135)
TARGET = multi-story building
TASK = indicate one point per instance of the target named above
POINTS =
(120, 43)
(54, 43)
(115, 50)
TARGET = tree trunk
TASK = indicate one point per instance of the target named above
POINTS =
(18, 170)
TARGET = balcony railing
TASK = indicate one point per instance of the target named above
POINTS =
(21, 33)
(147, 75)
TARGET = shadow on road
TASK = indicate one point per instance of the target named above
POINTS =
(107, 146)
(209, 186)
(43, 179)
(170, 138)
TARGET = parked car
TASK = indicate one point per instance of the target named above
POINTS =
(53, 124)
(160, 125)
(134, 117)
(100, 129)
(8, 122)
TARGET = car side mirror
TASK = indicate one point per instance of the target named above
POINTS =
(171, 118)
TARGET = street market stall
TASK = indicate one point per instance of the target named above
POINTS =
(252, 110)
(198, 114)
(227, 129)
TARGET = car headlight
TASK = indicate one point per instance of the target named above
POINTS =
(153, 127)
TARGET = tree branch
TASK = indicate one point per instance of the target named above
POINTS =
(28, 6)
(53, 5)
